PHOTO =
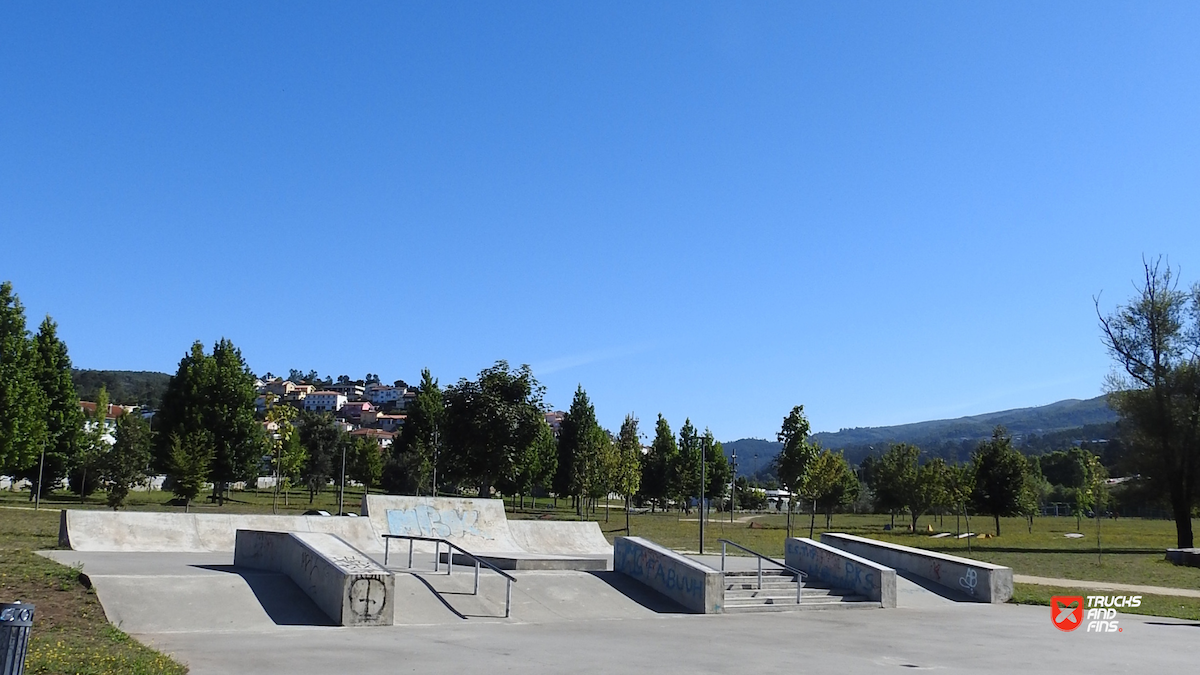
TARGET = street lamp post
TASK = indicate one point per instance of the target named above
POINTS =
(733, 486)
(702, 486)
(342, 491)
(37, 493)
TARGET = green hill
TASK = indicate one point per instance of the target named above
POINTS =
(125, 387)
(1035, 430)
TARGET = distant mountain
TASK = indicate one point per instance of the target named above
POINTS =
(1036, 430)
(754, 455)
(125, 387)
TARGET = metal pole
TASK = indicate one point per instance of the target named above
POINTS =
(37, 494)
(437, 555)
(702, 468)
(435, 459)
(760, 573)
(476, 578)
(387, 550)
(410, 549)
(733, 487)
(507, 597)
(342, 491)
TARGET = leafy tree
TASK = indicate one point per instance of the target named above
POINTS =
(959, 483)
(287, 453)
(215, 394)
(127, 463)
(22, 403)
(656, 464)
(627, 477)
(365, 463)
(322, 439)
(827, 479)
(1064, 467)
(1000, 475)
(489, 422)
(94, 444)
(717, 471)
(537, 464)
(574, 464)
(188, 465)
(930, 490)
(1155, 339)
(64, 419)
(894, 478)
(417, 445)
(685, 474)
(792, 462)
(1090, 494)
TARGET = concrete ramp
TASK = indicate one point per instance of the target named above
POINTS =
(478, 525)
(563, 537)
(136, 531)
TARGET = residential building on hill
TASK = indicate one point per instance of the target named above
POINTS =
(324, 401)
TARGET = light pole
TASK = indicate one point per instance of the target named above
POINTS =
(342, 491)
(435, 459)
(702, 509)
(733, 486)
(37, 493)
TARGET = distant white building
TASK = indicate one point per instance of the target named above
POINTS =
(324, 401)
(384, 394)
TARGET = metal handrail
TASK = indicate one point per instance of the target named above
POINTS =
(800, 574)
(437, 559)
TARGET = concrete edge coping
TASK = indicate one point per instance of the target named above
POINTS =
(846, 554)
(316, 549)
(668, 553)
(914, 551)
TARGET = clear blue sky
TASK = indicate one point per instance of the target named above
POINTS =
(887, 212)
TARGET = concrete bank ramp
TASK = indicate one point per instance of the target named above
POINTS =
(135, 531)
(564, 537)
(478, 525)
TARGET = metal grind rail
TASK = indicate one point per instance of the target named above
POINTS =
(800, 576)
(437, 561)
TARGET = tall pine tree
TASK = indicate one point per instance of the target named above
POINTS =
(22, 404)
(64, 418)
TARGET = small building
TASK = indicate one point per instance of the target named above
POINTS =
(351, 390)
(324, 401)
(353, 411)
(382, 438)
(385, 394)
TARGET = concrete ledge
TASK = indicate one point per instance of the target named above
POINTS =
(347, 585)
(841, 569)
(696, 586)
(980, 581)
(1188, 557)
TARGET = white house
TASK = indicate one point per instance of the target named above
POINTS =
(324, 401)
(384, 394)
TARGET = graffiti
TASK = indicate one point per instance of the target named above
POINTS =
(368, 598)
(969, 581)
(832, 568)
(662, 573)
(426, 521)
(355, 564)
(937, 571)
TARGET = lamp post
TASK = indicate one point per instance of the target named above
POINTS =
(702, 486)
(733, 486)
(37, 493)
(435, 459)
(342, 491)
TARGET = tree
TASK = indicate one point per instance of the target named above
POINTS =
(628, 475)
(657, 463)
(22, 403)
(365, 463)
(827, 479)
(1000, 475)
(287, 453)
(576, 459)
(489, 421)
(322, 439)
(127, 463)
(214, 394)
(95, 442)
(188, 465)
(894, 480)
(63, 417)
(1155, 340)
(685, 475)
(717, 469)
(537, 464)
(791, 464)
(413, 456)
(959, 481)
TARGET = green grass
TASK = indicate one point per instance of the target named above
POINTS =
(1152, 605)
(70, 633)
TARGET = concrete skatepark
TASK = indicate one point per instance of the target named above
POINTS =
(171, 581)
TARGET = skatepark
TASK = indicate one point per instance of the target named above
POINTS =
(429, 585)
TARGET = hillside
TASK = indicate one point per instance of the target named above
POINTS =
(125, 387)
(1035, 430)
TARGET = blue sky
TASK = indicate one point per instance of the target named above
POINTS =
(887, 212)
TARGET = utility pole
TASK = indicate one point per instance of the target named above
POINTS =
(435, 459)
(37, 493)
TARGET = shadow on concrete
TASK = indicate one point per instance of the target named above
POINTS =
(1167, 623)
(280, 597)
(638, 593)
(438, 594)
(936, 588)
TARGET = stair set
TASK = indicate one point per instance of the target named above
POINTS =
(778, 594)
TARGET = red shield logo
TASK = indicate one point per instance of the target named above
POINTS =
(1066, 611)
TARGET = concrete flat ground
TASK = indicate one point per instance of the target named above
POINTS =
(217, 619)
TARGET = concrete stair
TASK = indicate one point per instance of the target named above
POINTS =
(778, 594)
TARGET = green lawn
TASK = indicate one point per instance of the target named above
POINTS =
(1152, 605)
